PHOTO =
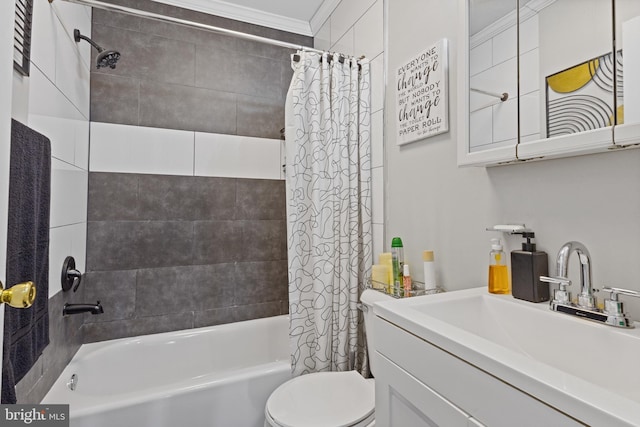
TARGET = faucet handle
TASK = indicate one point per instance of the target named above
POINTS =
(616, 291)
(560, 295)
(613, 307)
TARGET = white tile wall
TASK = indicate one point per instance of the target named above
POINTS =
(68, 194)
(530, 72)
(501, 78)
(72, 74)
(505, 45)
(322, 39)
(377, 83)
(481, 58)
(56, 96)
(52, 114)
(356, 27)
(368, 32)
(529, 36)
(60, 239)
(493, 68)
(505, 120)
(530, 108)
(481, 121)
(63, 241)
(377, 139)
(237, 156)
(378, 241)
(346, 44)
(44, 35)
(377, 195)
(138, 149)
(346, 15)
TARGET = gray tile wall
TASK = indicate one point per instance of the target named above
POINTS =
(176, 77)
(171, 252)
(66, 337)
(166, 252)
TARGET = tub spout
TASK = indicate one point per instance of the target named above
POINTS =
(69, 309)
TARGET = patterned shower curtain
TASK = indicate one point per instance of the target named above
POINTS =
(328, 176)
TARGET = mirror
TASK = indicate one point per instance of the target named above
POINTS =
(493, 74)
(628, 44)
(541, 78)
(569, 43)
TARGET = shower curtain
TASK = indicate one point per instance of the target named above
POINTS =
(328, 178)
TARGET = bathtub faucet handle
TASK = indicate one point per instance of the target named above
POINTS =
(70, 276)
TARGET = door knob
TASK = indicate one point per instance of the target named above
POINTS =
(21, 295)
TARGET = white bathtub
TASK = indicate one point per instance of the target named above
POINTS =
(214, 376)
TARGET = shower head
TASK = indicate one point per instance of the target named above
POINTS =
(106, 58)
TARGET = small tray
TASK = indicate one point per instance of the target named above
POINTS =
(417, 289)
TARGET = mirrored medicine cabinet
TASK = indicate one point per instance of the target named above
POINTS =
(539, 79)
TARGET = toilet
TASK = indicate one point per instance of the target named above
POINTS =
(336, 399)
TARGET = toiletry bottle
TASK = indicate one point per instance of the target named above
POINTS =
(397, 254)
(379, 277)
(406, 280)
(387, 259)
(498, 276)
(527, 266)
(429, 270)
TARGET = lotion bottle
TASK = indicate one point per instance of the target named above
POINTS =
(429, 270)
(498, 275)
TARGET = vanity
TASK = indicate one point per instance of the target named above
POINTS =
(470, 358)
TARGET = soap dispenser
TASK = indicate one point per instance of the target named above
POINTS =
(527, 266)
(498, 275)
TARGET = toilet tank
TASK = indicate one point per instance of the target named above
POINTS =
(368, 298)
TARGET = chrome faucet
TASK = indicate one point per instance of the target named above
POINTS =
(585, 298)
(586, 307)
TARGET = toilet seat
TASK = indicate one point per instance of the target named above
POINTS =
(337, 399)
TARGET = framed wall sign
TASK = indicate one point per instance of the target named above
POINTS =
(422, 95)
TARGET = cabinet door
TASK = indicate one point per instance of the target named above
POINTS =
(627, 129)
(402, 400)
(488, 82)
(567, 78)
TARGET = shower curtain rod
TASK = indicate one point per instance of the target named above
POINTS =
(144, 14)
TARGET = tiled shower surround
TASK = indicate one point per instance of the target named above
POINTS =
(168, 252)
(175, 77)
(172, 252)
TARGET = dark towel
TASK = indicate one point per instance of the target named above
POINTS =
(26, 331)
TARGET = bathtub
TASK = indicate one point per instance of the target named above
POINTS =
(215, 376)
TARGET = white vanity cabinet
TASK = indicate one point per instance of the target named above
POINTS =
(419, 384)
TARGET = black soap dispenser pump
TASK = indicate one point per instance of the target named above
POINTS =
(527, 266)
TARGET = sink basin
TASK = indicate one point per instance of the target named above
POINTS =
(573, 364)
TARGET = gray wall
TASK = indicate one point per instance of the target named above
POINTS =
(432, 203)
(170, 76)
(174, 252)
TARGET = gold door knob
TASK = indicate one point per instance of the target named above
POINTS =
(21, 295)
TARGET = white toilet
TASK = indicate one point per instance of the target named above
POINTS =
(336, 399)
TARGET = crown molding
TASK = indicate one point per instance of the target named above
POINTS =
(322, 14)
(244, 14)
